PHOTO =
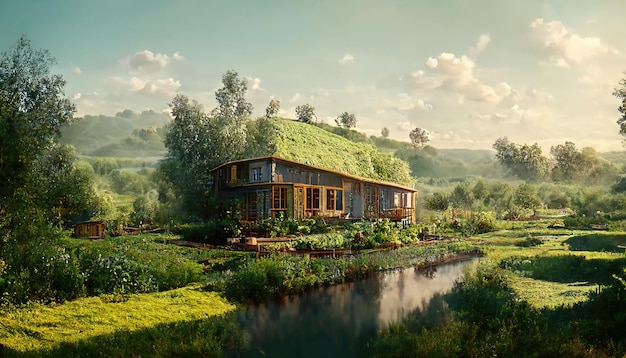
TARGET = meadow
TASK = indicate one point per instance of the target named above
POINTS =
(550, 272)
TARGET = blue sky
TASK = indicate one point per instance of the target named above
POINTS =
(467, 71)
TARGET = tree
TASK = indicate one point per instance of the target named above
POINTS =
(196, 143)
(385, 132)
(568, 161)
(41, 187)
(193, 148)
(32, 111)
(305, 113)
(438, 201)
(231, 97)
(524, 161)
(272, 109)
(526, 197)
(620, 93)
(462, 196)
(419, 137)
(346, 120)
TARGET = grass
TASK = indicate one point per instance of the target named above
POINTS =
(561, 270)
(548, 294)
(337, 153)
(548, 268)
(39, 327)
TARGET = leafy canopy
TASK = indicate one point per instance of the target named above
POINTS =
(305, 113)
(346, 120)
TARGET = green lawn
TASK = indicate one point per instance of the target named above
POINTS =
(40, 327)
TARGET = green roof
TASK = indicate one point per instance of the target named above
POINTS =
(311, 145)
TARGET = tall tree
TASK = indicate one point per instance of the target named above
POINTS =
(193, 149)
(231, 98)
(419, 137)
(32, 110)
(40, 185)
(384, 132)
(568, 161)
(305, 113)
(620, 92)
(524, 161)
(272, 109)
(346, 120)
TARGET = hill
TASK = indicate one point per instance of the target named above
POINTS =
(94, 134)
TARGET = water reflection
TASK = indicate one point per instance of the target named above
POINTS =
(338, 321)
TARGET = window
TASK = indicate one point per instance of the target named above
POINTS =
(312, 198)
(330, 199)
(339, 200)
(383, 199)
(396, 200)
(279, 198)
(233, 173)
(257, 173)
(407, 201)
(334, 199)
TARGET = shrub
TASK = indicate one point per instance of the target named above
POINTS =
(479, 223)
(116, 274)
(46, 272)
(212, 232)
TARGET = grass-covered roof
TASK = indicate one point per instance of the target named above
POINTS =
(311, 145)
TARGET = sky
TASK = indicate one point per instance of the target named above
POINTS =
(467, 71)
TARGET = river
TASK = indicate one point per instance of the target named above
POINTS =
(338, 321)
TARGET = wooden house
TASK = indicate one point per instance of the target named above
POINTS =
(270, 186)
(93, 229)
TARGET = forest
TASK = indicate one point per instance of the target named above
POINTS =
(557, 217)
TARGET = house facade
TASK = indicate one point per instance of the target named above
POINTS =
(268, 187)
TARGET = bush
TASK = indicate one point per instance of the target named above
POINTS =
(116, 274)
(479, 223)
(212, 232)
(46, 272)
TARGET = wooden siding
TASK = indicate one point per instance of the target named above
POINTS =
(90, 229)
(273, 187)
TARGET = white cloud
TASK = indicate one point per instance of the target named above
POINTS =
(346, 59)
(254, 83)
(481, 45)
(456, 74)
(162, 87)
(539, 94)
(513, 115)
(422, 80)
(78, 71)
(565, 47)
(405, 102)
(148, 61)
(77, 96)
(178, 57)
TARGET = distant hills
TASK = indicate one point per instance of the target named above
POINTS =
(109, 136)
(131, 134)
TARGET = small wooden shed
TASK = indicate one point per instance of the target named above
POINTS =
(93, 229)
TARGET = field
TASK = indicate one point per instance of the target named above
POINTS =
(547, 268)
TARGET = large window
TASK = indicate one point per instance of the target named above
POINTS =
(279, 198)
(257, 173)
(407, 200)
(313, 198)
(334, 199)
